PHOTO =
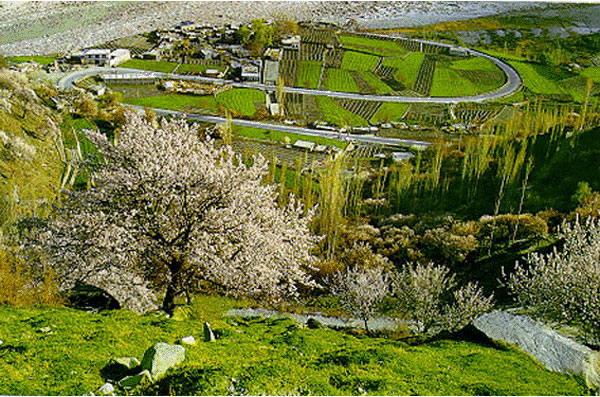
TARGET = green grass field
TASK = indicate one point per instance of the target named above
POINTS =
(475, 63)
(358, 61)
(448, 83)
(308, 74)
(166, 67)
(254, 356)
(374, 46)
(535, 78)
(374, 81)
(499, 54)
(340, 80)
(42, 60)
(408, 67)
(335, 114)
(176, 102)
(389, 111)
(156, 66)
(241, 100)
(279, 136)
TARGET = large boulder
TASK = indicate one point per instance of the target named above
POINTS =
(162, 356)
(554, 351)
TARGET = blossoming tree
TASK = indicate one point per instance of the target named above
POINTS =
(169, 209)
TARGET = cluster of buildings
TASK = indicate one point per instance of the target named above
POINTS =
(100, 57)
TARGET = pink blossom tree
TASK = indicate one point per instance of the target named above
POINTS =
(167, 210)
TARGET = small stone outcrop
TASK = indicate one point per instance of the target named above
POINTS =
(554, 351)
(188, 340)
(127, 362)
(107, 389)
(161, 357)
(209, 336)
(129, 382)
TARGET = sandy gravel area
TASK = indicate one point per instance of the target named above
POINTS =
(49, 27)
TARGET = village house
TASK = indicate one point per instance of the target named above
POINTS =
(101, 57)
(291, 42)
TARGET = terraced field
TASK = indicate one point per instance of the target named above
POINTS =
(389, 111)
(200, 104)
(241, 100)
(358, 61)
(340, 80)
(308, 74)
(364, 109)
(448, 82)
(424, 79)
(379, 87)
(373, 46)
(335, 114)
(534, 79)
(406, 68)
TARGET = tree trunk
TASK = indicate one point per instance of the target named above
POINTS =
(169, 301)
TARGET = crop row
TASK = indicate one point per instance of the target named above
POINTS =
(364, 109)
(311, 52)
(334, 57)
(320, 36)
(288, 69)
(424, 79)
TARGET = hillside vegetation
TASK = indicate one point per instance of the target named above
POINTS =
(255, 356)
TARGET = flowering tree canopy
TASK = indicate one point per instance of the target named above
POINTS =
(169, 209)
(564, 285)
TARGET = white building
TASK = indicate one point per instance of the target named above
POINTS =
(104, 57)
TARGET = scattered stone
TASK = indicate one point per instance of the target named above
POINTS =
(189, 340)
(106, 389)
(162, 356)
(208, 333)
(127, 362)
(46, 330)
(132, 381)
(314, 324)
(554, 351)
(1, 342)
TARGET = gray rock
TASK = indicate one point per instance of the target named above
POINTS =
(162, 356)
(106, 389)
(314, 324)
(554, 351)
(46, 330)
(188, 340)
(208, 333)
(127, 362)
(132, 381)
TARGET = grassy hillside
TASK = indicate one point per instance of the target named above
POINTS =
(255, 356)
(31, 143)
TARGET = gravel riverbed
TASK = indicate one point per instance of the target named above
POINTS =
(31, 28)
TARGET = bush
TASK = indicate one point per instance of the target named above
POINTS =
(565, 285)
(508, 226)
(428, 296)
(443, 246)
(361, 290)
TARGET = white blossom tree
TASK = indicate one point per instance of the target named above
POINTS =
(429, 297)
(564, 285)
(168, 209)
(361, 290)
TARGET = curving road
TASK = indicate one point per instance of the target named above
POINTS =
(512, 84)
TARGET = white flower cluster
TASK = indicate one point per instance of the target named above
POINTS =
(169, 207)
(564, 285)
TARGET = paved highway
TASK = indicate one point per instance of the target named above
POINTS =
(512, 84)
(296, 130)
